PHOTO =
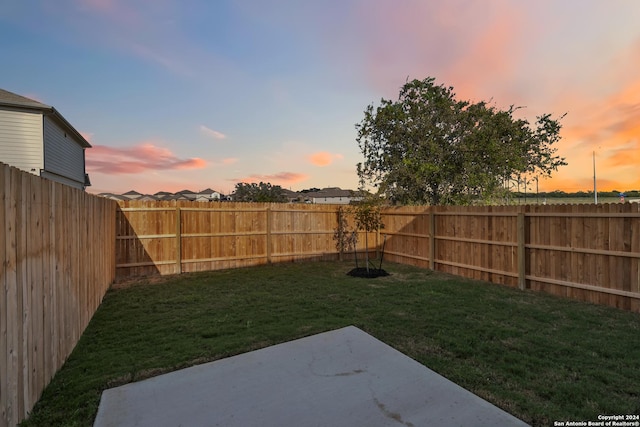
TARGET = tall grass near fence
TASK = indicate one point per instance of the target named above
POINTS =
(57, 259)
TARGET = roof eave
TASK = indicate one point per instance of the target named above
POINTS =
(48, 110)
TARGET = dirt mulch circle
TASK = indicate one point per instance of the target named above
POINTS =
(372, 273)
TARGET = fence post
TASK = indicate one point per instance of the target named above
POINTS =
(521, 251)
(269, 219)
(340, 236)
(432, 239)
(378, 240)
(178, 241)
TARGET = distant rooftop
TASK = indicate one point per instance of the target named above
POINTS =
(329, 192)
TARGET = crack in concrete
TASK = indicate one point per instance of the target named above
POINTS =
(339, 374)
(392, 415)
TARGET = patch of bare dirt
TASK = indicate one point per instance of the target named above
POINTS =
(368, 273)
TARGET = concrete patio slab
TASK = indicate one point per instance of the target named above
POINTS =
(339, 378)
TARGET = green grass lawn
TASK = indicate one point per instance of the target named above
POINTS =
(539, 357)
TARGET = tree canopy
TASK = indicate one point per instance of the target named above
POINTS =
(429, 148)
(262, 192)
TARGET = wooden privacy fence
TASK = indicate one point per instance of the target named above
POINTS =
(57, 261)
(176, 237)
(586, 252)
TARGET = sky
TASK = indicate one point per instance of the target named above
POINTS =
(196, 94)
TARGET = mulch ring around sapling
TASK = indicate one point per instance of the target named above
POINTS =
(371, 273)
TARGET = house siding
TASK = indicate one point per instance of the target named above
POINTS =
(63, 154)
(21, 140)
(62, 180)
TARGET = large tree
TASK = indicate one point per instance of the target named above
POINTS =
(428, 147)
(262, 192)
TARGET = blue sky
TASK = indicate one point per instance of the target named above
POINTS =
(196, 94)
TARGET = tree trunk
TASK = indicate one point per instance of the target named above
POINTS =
(366, 250)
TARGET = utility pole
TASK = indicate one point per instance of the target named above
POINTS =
(595, 189)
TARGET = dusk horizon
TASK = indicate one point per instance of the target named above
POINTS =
(175, 95)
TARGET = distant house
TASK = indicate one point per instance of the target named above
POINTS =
(208, 195)
(178, 197)
(132, 195)
(113, 196)
(161, 195)
(35, 138)
(185, 195)
(292, 196)
(332, 195)
(147, 198)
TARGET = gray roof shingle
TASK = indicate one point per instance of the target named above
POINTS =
(14, 100)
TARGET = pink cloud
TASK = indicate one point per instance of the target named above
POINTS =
(145, 28)
(491, 54)
(468, 45)
(118, 12)
(137, 159)
(99, 5)
(610, 120)
(88, 136)
(212, 133)
(229, 161)
(324, 158)
(624, 155)
(153, 54)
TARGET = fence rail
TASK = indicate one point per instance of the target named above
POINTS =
(57, 260)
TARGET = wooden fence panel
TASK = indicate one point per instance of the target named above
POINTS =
(302, 232)
(58, 258)
(477, 242)
(149, 229)
(222, 235)
(407, 232)
(586, 252)
(225, 236)
(634, 304)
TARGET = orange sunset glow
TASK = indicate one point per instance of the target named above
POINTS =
(208, 94)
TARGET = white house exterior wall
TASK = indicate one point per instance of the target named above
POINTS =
(63, 155)
(21, 140)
